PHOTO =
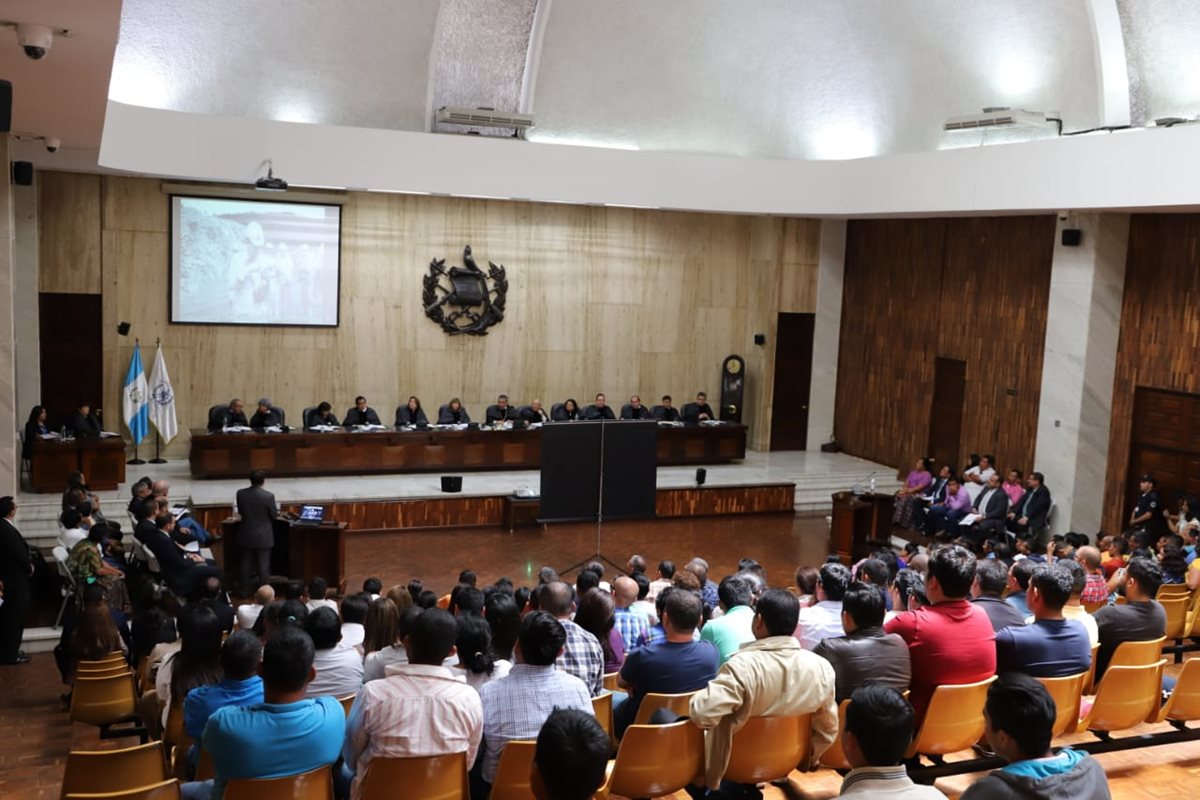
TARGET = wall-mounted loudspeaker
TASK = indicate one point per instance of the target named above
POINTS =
(452, 483)
(22, 173)
(1072, 237)
(123, 328)
(701, 476)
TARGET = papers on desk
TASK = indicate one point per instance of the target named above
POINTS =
(667, 424)
(712, 423)
(368, 428)
(108, 434)
(970, 519)
(49, 437)
(462, 426)
(272, 429)
(324, 428)
(236, 429)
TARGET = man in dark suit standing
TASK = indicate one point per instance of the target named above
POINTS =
(1028, 516)
(361, 414)
(84, 424)
(256, 531)
(699, 411)
(15, 570)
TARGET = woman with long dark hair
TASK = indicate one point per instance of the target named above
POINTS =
(475, 652)
(35, 427)
(198, 662)
(596, 614)
(411, 413)
(87, 566)
(95, 634)
(504, 617)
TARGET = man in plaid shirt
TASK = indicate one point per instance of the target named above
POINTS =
(1096, 588)
(631, 624)
(582, 655)
(515, 706)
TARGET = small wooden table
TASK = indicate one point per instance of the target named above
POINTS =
(302, 551)
(857, 520)
(102, 462)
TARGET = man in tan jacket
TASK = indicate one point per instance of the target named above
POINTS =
(769, 677)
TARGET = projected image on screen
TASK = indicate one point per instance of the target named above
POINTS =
(248, 262)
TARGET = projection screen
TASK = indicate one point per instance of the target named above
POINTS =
(254, 262)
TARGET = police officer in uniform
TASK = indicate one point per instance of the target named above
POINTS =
(1147, 514)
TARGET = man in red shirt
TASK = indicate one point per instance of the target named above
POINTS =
(950, 642)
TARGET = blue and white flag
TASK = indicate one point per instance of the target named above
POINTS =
(135, 394)
(162, 400)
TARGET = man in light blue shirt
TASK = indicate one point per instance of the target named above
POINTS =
(241, 686)
(733, 629)
(287, 734)
(1018, 586)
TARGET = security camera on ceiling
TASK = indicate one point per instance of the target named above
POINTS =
(34, 39)
(52, 144)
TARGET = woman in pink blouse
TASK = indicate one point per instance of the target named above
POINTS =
(1014, 486)
(908, 499)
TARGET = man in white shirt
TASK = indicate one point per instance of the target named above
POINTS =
(354, 614)
(339, 668)
(247, 614)
(317, 589)
(824, 619)
(879, 729)
(976, 477)
(419, 709)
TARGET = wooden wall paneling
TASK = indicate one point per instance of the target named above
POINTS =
(69, 232)
(974, 289)
(1160, 335)
(616, 300)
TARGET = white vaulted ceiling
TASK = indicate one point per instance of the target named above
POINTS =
(774, 79)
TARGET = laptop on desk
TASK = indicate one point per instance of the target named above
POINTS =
(311, 515)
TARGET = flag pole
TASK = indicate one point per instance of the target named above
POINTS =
(158, 459)
(135, 460)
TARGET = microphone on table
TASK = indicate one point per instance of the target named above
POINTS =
(857, 488)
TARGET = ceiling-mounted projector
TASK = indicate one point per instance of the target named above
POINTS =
(484, 118)
(996, 118)
(271, 183)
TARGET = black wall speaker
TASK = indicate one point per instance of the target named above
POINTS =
(1072, 237)
(452, 483)
(5, 106)
(701, 476)
(123, 328)
(22, 173)
(760, 338)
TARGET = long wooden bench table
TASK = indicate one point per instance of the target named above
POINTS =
(102, 462)
(301, 453)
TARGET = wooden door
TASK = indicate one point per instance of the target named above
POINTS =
(793, 380)
(1165, 444)
(946, 413)
(72, 366)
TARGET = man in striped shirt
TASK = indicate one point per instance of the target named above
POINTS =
(582, 655)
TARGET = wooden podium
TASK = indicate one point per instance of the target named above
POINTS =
(302, 551)
(857, 520)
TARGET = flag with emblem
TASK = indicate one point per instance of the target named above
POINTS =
(134, 397)
(162, 399)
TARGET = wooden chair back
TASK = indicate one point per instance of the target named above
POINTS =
(657, 760)
(769, 748)
(114, 770)
(1067, 693)
(610, 681)
(1176, 608)
(954, 719)
(652, 701)
(1172, 590)
(316, 784)
(1137, 654)
(103, 700)
(166, 790)
(602, 708)
(428, 777)
(835, 756)
(1128, 696)
(513, 772)
(347, 702)
(1184, 703)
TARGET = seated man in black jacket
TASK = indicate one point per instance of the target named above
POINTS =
(1028, 516)
(84, 423)
(185, 573)
(635, 409)
(665, 412)
(534, 413)
(865, 654)
(500, 412)
(321, 415)
(598, 410)
(361, 414)
(699, 411)
(233, 415)
(267, 416)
